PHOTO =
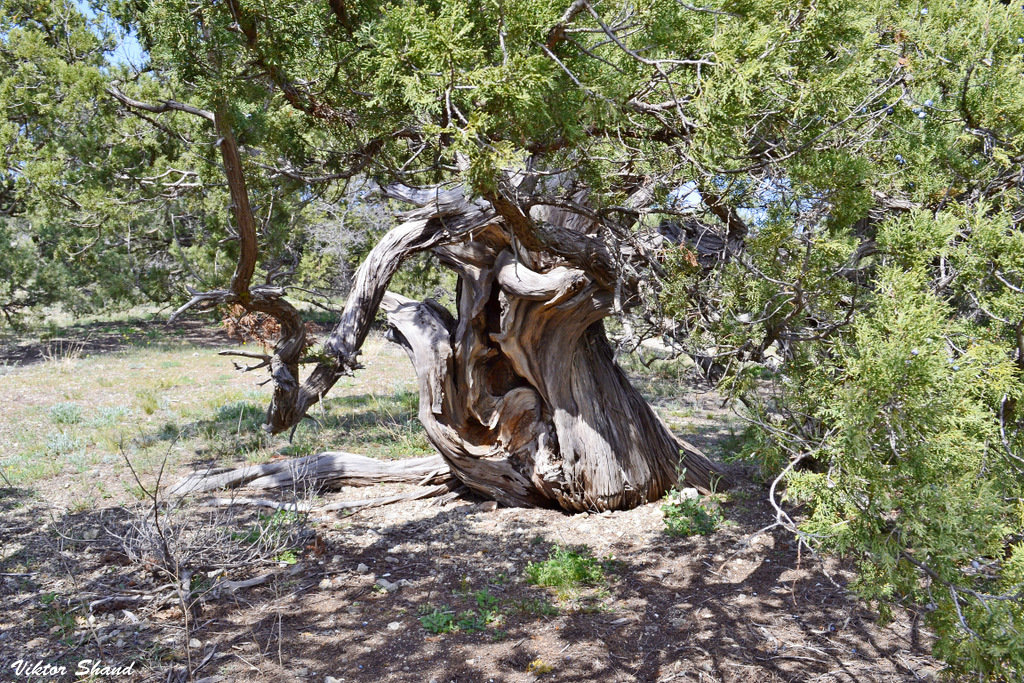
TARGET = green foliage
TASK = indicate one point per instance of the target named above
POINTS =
(286, 557)
(566, 570)
(66, 413)
(689, 516)
(439, 620)
(872, 321)
(272, 529)
(57, 614)
(917, 478)
(539, 607)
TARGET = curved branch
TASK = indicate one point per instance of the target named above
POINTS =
(165, 105)
(239, 204)
(438, 222)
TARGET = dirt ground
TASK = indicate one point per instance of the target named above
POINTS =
(732, 606)
(359, 597)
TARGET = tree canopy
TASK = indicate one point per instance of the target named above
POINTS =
(822, 198)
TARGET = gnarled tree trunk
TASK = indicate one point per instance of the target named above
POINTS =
(519, 391)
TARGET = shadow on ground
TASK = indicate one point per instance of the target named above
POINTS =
(359, 596)
(87, 339)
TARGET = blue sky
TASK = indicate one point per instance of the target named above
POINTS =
(128, 51)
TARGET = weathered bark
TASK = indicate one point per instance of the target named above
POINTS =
(324, 470)
(446, 216)
(519, 391)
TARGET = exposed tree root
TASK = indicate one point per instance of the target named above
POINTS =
(317, 472)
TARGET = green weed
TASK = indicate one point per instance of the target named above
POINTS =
(690, 517)
(61, 443)
(536, 607)
(147, 401)
(471, 620)
(108, 416)
(439, 620)
(566, 570)
(66, 413)
(56, 614)
(286, 557)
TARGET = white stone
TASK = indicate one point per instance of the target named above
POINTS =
(387, 585)
(689, 494)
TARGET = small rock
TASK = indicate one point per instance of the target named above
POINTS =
(335, 559)
(387, 585)
(688, 494)
(391, 560)
(301, 672)
(325, 583)
(119, 644)
(488, 506)
(362, 568)
(195, 644)
(394, 625)
(331, 679)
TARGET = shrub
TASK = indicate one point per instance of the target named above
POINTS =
(917, 477)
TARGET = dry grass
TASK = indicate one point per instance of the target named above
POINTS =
(68, 416)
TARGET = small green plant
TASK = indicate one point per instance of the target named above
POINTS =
(62, 443)
(471, 620)
(56, 614)
(66, 413)
(287, 557)
(485, 601)
(444, 619)
(439, 620)
(269, 527)
(689, 516)
(566, 570)
(537, 607)
(147, 401)
(487, 607)
(108, 416)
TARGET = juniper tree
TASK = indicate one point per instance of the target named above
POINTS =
(826, 194)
